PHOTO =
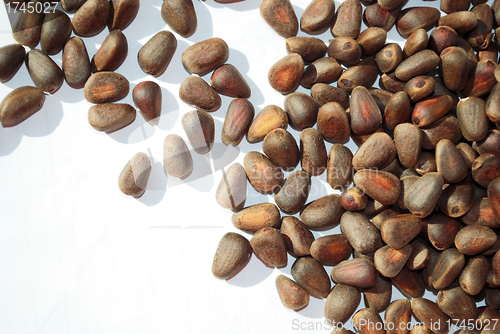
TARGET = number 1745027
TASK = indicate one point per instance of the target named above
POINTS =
(31, 7)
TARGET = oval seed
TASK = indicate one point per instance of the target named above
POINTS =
(313, 152)
(232, 190)
(180, 16)
(44, 72)
(360, 232)
(122, 13)
(195, 92)
(280, 16)
(449, 162)
(134, 177)
(322, 213)
(155, 56)
(105, 87)
(280, 146)
(317, 17)
(382, 186)
(91, 18)
(269, 247)
(341, 303)
(312, 276)
(112, 52)
(292, 295)
(147, 98)
(232, 255)
(285, 75)
(348, 19)
(293, 194)
(331, 249)
(473, 240)
(298, 238)
(447, 268)
(255, 217)
(390, 261)
(364, 113)
(239, 115)
(11, 58)
(76, 63)
(111, 117)
(20, 104)
(264, 175)
(200, 130)
(203, 57)
(227, 80)
(398, 231)
(268, 119)
(56, 29)
(422, 197)
(360, 273)
(177, 160)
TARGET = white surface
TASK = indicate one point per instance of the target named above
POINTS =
(77, 256)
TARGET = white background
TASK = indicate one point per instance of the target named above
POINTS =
(78, 256)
